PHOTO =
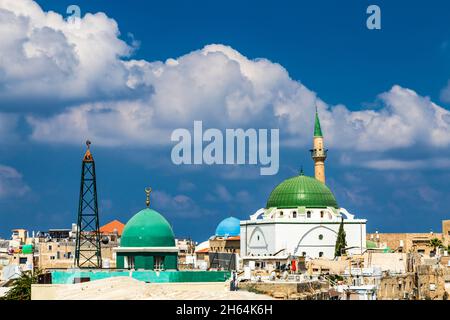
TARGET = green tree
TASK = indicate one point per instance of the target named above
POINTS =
(21, 287)
(341, 243)
(435, 243)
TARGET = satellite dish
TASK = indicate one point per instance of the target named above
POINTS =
(105, 240)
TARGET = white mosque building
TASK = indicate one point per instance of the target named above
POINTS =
(301, 218)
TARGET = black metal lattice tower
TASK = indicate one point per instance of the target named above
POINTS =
(88, 247)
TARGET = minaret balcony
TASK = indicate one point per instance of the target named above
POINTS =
(319, 153)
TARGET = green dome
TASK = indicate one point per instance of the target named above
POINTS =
(301, 191)
(147, 228)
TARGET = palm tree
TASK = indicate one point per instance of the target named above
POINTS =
(435, 243)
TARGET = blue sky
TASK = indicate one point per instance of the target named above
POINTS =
(384, 102)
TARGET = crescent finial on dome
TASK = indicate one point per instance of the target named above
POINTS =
(148, 190)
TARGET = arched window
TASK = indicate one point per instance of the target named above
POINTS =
(321, 214)
(281, 213)
(294, 214)
(308, 214)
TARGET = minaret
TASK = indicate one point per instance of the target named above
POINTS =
(318, 153)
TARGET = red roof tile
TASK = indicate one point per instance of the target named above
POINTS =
(112, 226)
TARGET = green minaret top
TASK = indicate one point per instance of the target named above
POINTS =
(317, 129)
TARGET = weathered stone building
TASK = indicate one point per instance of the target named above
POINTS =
(408, 242)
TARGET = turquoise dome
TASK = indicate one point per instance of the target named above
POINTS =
(147, 228)
(229, 227)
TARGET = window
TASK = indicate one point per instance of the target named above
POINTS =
(257, 237)
(308, 214)
(304, 254)
(129, 262)
(281, 213)
(23, 260)
(320, 254)
(321, 214)
(159, 263)
(294, 214)
(50, 248)
(320, 236)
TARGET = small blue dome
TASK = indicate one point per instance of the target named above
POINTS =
(229, 227)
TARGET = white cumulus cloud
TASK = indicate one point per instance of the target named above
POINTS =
(46, 61)
(11, 183)
(98, 91)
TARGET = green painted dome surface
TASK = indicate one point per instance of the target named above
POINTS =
(301, 191)
(147, 228)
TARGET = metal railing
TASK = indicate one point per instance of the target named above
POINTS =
(322, 153)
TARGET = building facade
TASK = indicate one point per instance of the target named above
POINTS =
(409, 242)
(301, 218)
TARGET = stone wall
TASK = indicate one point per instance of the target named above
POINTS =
(431, 282)
(418, 241)
(56, 255)
(397, 287)
(314, 290)
(446, 232)
(219, 244)
(427, 283)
